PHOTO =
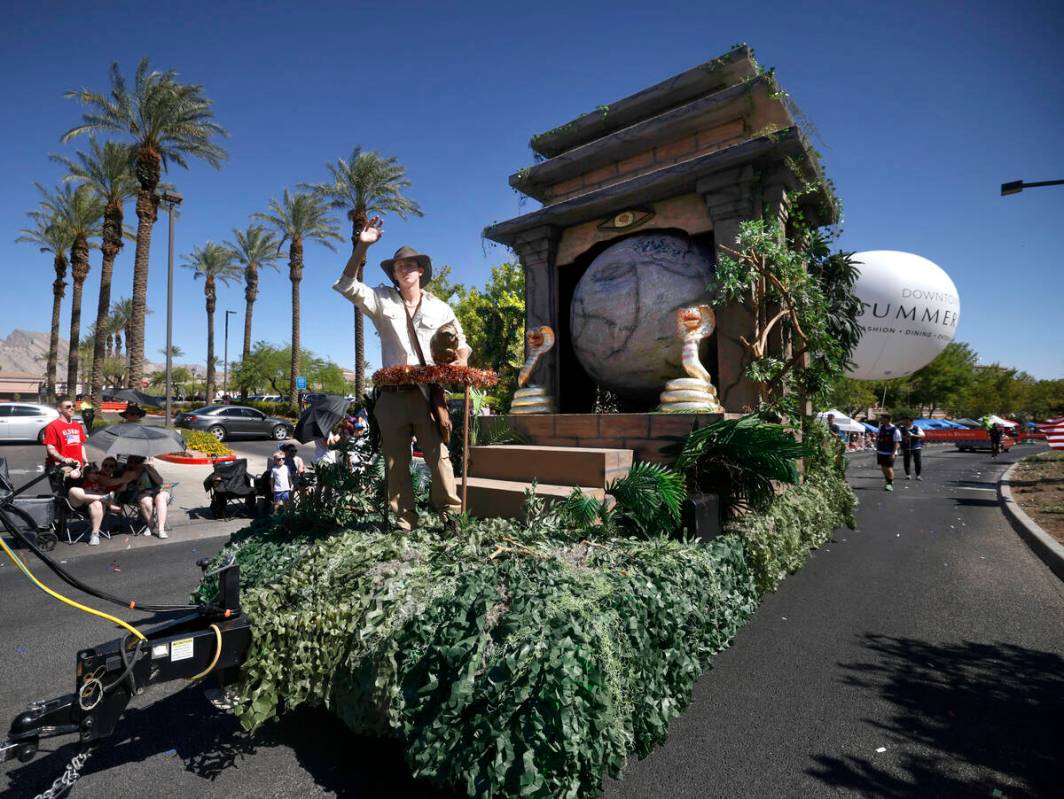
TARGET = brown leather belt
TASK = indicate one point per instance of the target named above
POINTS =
(407, 387)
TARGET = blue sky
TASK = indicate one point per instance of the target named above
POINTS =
(920, 111)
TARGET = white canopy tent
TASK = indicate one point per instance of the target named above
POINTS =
(845, 423)
(998, 420)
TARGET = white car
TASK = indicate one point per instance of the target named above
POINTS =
(21, 421)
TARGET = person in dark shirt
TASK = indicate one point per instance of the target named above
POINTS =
(995, 440)
(888, 438)
(912, 445)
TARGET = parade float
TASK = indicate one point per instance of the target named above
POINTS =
(608, 557)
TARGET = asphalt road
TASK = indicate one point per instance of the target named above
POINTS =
(930, 633)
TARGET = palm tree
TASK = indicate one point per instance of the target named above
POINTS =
(364, 185)
(299, 218)
(253, 248)
(212, 262)
(167, 121)
(121, 321)
(81, 212)
(50, 235)
(108, 170)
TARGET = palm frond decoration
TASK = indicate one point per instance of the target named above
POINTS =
(741, 459)
(649, 499)
(578, 511)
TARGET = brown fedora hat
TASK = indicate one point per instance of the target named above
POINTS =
(408, 253)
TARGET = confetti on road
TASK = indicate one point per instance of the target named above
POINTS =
(170, 753)
(115, 567)
(784, 618)
(21, 649)
(996, 793)
(881, 749)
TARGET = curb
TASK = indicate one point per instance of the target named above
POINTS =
(208, 460)
(1041, 543)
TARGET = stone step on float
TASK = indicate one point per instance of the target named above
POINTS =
(553, 466)
(505, 499)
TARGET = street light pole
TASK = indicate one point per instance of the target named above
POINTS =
(172, 200)
(1016, 186)
(225, 371)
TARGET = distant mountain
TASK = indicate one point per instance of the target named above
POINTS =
(27, 351)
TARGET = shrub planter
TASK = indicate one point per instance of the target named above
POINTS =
(196, 458)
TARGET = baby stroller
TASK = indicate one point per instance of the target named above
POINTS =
(230, 482)
(34, 517)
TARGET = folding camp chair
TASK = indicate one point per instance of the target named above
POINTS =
(131, 517)
(230, 482)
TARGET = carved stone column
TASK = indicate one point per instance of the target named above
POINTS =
(731, 197)
(537, 249)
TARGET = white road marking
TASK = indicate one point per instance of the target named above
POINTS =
(973, 488)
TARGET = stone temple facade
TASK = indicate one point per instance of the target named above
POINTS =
(687, 159)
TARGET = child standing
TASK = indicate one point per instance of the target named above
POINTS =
(280, 481)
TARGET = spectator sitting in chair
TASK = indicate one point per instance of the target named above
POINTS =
(96, 495)
(64, 442)
(148, 493)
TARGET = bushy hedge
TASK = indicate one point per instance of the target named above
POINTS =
(517, 658)
(204, 442)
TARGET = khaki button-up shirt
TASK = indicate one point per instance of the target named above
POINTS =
(384, 305)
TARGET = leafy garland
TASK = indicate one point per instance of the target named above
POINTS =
(440, 374)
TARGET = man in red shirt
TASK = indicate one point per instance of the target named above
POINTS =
(64, 440)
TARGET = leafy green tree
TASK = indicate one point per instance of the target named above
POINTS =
(364, 185)
(804, 314)
(253, 249)
(108, 171)
(212, 262)
(493, 319)
(49, 235)
(267, 369)
(299, 218)
(851, 396)
(81, 212)
(166, 122)
(945, 381)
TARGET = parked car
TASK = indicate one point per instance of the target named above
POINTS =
(23, 421)
(225, 421)
(265, 398)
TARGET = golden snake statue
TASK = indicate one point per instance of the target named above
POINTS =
(696, 392)
(533, 399)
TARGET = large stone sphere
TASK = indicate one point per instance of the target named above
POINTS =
(623, 313)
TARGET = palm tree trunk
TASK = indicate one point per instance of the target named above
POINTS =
(58, 290)
(129, 355)
(79, 270)
(251, 292)
(358, 221)
(148, 170)
(295, 273)
(112, 243)
(208, 290)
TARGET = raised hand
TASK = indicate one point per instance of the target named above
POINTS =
(372, 232)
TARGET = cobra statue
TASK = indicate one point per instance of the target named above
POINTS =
(533, 399)
(695, 392)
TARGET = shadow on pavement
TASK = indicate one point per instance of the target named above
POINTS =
(971, 502)
(996, 707)
(209, 742)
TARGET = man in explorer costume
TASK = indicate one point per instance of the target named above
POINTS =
(406, 317)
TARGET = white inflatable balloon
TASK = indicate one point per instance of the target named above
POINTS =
(911, 310)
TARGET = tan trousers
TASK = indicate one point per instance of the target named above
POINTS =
(402, 414)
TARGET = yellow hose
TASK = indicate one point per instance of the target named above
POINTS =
(217, 654)
(91, 611)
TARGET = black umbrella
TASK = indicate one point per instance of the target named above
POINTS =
(319, 417)
(139, 397)
(133, 438)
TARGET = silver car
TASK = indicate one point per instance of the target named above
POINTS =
(228, 421)
(21, 421)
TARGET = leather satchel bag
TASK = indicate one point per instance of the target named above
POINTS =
(437, 394)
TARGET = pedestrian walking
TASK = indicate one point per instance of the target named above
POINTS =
(888, 440)
(280, 481)
(912, 445)
(406, 317)
(88, 412)
(995, 439)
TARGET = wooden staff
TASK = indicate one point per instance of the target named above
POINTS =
(465, 450)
